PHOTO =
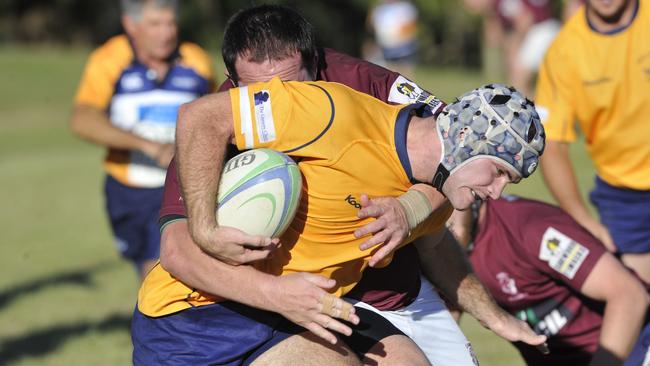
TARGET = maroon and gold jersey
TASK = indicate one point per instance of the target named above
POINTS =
(534, 259)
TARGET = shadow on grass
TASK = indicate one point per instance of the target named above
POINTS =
(79, 277)
(39, 343)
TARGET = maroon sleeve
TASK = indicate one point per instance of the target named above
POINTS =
(226, 85)
(561, 248)
(358, 74)
(172, 206)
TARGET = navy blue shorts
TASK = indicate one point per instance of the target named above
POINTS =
(626, 214)
(229, 333)
(133, 213)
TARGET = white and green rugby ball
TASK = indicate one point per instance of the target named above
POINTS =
(259, 192)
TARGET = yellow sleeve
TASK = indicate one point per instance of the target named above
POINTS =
(102, 70)
(553, 99)
(281, 116)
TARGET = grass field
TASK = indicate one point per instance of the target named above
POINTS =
(65, 296)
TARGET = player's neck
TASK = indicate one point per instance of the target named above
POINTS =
(615, 22)
(423, 146)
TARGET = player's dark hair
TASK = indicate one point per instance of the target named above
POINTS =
(268, 32)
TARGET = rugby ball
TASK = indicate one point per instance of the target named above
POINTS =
(259, 192)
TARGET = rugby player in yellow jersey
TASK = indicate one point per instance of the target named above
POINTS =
(387, 291)
(597, 72)
(347, 143)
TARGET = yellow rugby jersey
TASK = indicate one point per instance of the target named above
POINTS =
(603, 82)
(136, 101)
(346, 143)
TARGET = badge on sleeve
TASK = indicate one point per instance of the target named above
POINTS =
(264, 116)
(404, 91)
(562, 253)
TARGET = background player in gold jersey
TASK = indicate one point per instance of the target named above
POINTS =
(127, 101)
(597, 73)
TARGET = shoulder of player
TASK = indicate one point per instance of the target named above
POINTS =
(116, 50)
(341, 67)
(196, 57)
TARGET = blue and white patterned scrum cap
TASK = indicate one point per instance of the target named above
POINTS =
(494, 121)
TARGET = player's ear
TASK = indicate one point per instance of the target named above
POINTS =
(128, 24)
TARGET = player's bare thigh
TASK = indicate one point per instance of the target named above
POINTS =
(395, 350)
(307, 349)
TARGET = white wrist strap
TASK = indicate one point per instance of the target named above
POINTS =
(416, 206)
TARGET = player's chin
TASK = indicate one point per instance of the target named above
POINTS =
(460, 202)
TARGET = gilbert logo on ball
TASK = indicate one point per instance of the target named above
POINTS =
(259, 192)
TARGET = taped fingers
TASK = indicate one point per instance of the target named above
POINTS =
(337, 308)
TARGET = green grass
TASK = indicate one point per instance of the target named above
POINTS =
(65, 296)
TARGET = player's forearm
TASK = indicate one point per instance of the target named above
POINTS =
(93, 125)
(560, 179)
(622, 321)
(184, 260)
(447, 267)
(201, 139)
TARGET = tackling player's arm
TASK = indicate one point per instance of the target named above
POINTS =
(445, 264)
(626, 303)
(298, 297)
(204, 128)
(92, 124)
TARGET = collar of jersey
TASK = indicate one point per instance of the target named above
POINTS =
(401, 127)
(616, 30)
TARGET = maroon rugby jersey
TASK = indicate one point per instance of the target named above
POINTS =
(398, 284)
(534, 258)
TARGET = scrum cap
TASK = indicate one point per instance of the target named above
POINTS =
(492, 121)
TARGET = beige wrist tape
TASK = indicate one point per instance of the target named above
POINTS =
(416, 206)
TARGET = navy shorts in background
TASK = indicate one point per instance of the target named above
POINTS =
(133, 213)
(626, 214)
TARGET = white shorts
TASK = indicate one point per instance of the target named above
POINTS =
(536, 42)
(430, 325)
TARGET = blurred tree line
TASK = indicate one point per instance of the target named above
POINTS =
(448, 35)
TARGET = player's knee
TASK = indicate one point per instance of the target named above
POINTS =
(395, 350)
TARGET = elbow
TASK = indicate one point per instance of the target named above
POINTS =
(168, 254)
(637, 299)
(182, 120)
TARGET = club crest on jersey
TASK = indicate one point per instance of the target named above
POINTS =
(562, 253)
(264, 116)
(404, 91)
(509, 287)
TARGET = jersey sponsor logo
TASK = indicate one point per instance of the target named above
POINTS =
(132, 81)
(158, 113)
(595, 82)
(548, 317)
(509, 287)
(404, 91)
(264, 116)
(184, 82)
(352, 201)
(562, 253)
